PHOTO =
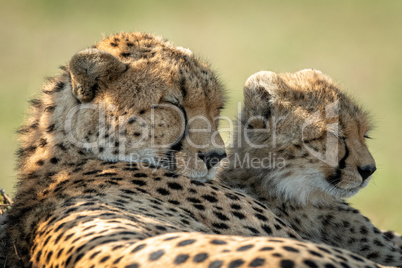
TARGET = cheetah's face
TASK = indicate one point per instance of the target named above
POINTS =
(313, 129)
(161, 111)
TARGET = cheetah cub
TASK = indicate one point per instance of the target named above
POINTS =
(300, 148)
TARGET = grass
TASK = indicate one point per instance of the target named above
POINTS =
(356, 42)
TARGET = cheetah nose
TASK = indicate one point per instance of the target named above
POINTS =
(366, 171)
(211, 159)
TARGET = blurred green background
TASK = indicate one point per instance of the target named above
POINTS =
(358, 43)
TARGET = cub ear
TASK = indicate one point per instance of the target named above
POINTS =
(89, 67)
(258, 91)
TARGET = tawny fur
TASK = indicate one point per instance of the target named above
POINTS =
(83, 200)
(313, 137)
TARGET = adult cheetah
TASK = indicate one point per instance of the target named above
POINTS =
(316, 134)
(112, 164)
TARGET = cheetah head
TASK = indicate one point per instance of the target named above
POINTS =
(311, 135)
(137, 98)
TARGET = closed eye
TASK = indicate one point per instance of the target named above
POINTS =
(367, 137)
(174, 102)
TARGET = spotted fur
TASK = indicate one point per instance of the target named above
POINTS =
(316, 134)
(82, 202)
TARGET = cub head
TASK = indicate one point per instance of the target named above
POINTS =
(137, 98)
(308, 136)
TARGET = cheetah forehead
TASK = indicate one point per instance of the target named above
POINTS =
(160, 71)
(315, 93)
(305, 98)
(312, 90)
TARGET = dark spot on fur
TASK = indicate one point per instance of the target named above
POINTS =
(174, 186)
(221, 216)
(156, 255)
(287, 264)
(310, 264)
(232, 196)
(138, 248)
(199, 207)
(261, 217)
(236, 263)
(267, 229)
(244, 248)
(290, 249)
(215, 264)
(220, 226)
(54, 160)
(235, 206)
(140, 175)
(163, 191)
(182, 258)
(200, 257)
(238, 215)
(218, 242)
(171, 175)
(138, 182)
(186, 242)
(257, 262)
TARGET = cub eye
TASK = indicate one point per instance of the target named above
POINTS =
(172, 100)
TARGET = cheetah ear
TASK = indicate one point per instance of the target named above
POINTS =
(91, 66)
(258, 91)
